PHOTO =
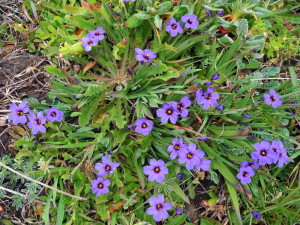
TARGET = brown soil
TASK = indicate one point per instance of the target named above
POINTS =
(21, 76)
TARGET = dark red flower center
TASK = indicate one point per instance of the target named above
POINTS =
(169, 111)
(190, 21)
(107, 168)
(53, 114)
(275, 150)
(245, 174)
(38, 121)
(146, 57)
(263, 152)
(251, 164)
(159, 206)
(272, 98)
(100, 185)
(176, 147)
(90, 43)
(20, 113)
(144, 125)
(156, 169)
(207, 96)
(179, 106)
(190, 155)
(174, 26)
(97, 34)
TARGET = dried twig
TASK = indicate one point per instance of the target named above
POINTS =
(40, 183)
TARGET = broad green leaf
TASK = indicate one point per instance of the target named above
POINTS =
(55, 71)
(164, 7)
(75, 10)
(242, 28)
(137, 19)
(179, 191)
(169, 75)
(82, 23)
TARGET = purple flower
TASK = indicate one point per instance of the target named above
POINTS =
(220, 13)
(178, 211)
(100, 186)
(207, 83)
(246, 115)
(245, 175)
(253, 165)
(36, 123)
(207, 98)
(280, 152)
(203, 165)
(251, 137)
(180, 176)
(144, 55)
(262, 153)
(110, 152)
(88, 43)
(156, 170)
(143, 126)
(174, 27)
(204, 138)
(208, 12)
(191, 156)
(167, 112)
(256, 215)
(106, 167)
(273, 99)
(220, 107)
(276, 146)
(97, 34)
(181, 107)
(282, 159)
(191, 21)
(176, 147)
(215, 77)
(128, 0)
(53, 114)
(158, 208)
(17, 114)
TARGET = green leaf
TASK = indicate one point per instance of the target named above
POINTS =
(165, 47)
(177, 220)
(164, 7)
(103, 211)
(55, 71)
(153, 71)
(235, 201)
(6, 222)
(60, 210)
(242, 28)
(209, 221)
(158, 22)
(82, 23)
(270, 71)
(88, 111)
(179, 191)
(139, 173)
(295, 82)
(75, 10)
(169, 75)
(137, 19)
